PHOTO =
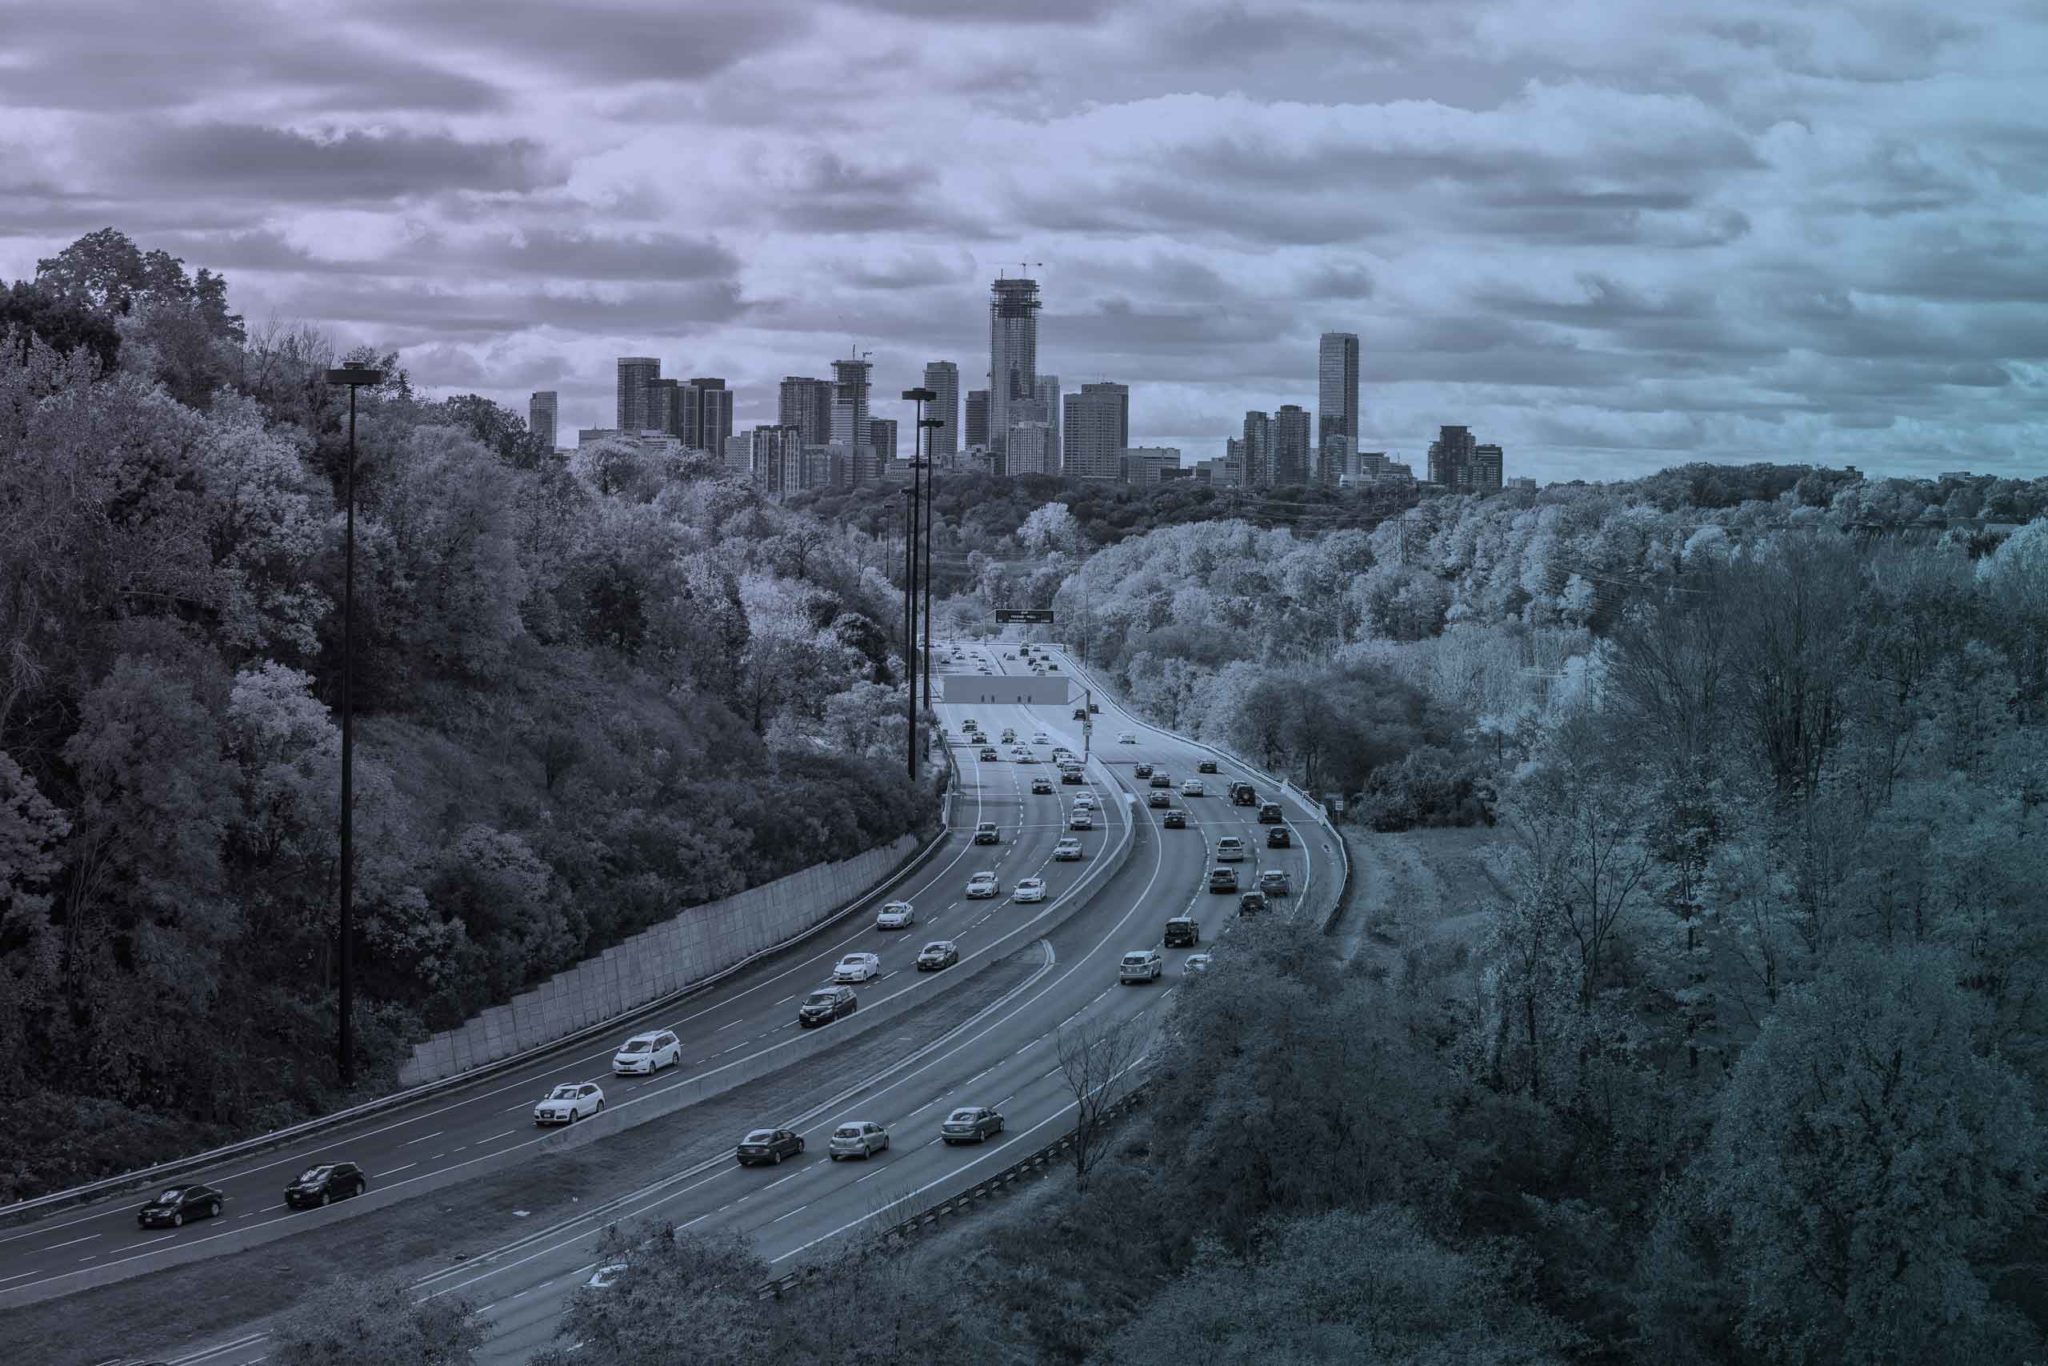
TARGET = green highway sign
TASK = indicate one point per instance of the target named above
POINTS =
(1024, 616)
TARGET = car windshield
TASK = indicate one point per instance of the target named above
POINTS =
(963, 1116)
(847, 1131)
(566, 1091)
(759, 1136)
(636, 1046)
(312, 1174)
(1135, 957)
(169, 1197)
(820, 998)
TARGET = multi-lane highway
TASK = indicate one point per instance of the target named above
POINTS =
(1005, 1056)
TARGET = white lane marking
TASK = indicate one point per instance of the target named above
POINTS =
(495, 1137)
(72, 1243)
(791, 1215)
(737, 1023)
(395, 1170)
(422, 1138)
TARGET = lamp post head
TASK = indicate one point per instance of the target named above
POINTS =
(355, 376)
(920, 395)
(931, 422)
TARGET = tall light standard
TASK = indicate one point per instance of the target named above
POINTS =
(931, 483)
(920, 498)
(355, 377)
(910, 627)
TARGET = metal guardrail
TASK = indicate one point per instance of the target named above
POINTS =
(1004, 1180)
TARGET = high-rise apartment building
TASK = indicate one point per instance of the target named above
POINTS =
(664, 410)
(1486, 469)
(1450, 457)
(1028, 449)
(850, 404)
(976, 429)
(1290, 445)
(882, 436)
(1258, 450)
(773, 458)
(636, 384)
(1096, 428)
(1048, 396)
(942, 377)
(542, 412)
(1336, 395)
(806, 404)
(1012, 350)
(704, 414)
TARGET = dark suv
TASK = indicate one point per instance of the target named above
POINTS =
(1270, 814)
(1243, 794)
(316, 1186)
(1278, 838)
(825, 1005)
(178, 1204)
(1182, 932)
(1251, 903)
(1206, 766)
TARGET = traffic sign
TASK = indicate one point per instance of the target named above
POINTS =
(1024, 616)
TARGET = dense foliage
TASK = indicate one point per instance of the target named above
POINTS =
(587, 696)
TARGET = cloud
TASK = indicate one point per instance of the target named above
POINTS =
(610, 40)
(279, 165)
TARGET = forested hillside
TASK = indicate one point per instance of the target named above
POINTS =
(587, 696)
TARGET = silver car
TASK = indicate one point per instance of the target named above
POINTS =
(858, 1138)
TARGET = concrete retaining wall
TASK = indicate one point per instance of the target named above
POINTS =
(695, 944)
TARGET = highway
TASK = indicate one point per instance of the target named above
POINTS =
(1005, 1056)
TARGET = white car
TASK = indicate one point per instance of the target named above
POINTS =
(857, 967)
(1126, 738)
(1080, 820)
(1191, 788)
(605, 1277)
(1041, 739)
(896, 915)
(1029, 889)
(1068, 850)
(983, 885)
(647, 1053)
(1084, 801)
(1197, 962)
(569, 1102)
(1021, 755)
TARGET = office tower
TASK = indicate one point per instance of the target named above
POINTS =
(773, 458)
(1486, 469)
(1028, 449)
(882, 436)
(806, 404)
(1097, 428)
(664, 409)
(942, 377)
(1012, 350)
(1048, 395)
(850, 404)
(1336, 394)
(976, 430)
(1257, 450)
(636, 382)
(541, 411)
(1290, 445)
(1151, 464)
(1450, 458)
(704, 418)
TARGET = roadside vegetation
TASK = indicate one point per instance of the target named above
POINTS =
(588, 695)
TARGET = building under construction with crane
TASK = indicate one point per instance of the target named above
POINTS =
(1012, 358)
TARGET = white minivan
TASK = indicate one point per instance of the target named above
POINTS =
(647, 1053)
(1230, 849)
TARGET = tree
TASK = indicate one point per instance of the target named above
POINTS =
(1050, 527)
(34, 312)
(682, 1298)
(357, 1322)
(1096, 1060)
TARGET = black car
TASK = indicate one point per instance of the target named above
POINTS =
(316, 1186)
(766, 1147)
(1270, 814)
(1278, 838)
(825, 1005)
(1251, 903)
(178, 1204)
(1175, 820)
(1070, 775)
(1142, 771)
(1182, 932)
(938, 955)
(1080, 713)
(1095, 708)
(1206, 766)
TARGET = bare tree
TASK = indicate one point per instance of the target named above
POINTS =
(1096, 1060)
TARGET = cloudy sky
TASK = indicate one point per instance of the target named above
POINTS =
(1609, 234)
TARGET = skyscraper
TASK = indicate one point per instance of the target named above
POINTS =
(850, 404)
(1048, 392)
(882, 436)
(705, 420)
(1336, 395)
(1096, 430)
(664, 409)
(1012, 350)
(942, 377)
(806, 404)
(1029, 450)
(1450, 457)
(541, 412)
(1486, 469)
(976, 430)
(636, 381)
(1290, 445)
(1258, 450)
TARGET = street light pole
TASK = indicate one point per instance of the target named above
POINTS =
(910, 628)
(355, 377)
(920, 517)
(931, 481)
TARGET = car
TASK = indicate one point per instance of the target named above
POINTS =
(1270, 814)
(970, 724)
(1142, 771)
(1243, 794)
(1080, 713)
(569, 1102)
(1041, 787)
(1159, 800)
(826, 1004)
(1041, 738)
(988, 754)
(982, 670)
(971, 1124)
(1009, 735)
(1175, 820)
(1223, 879)
(861, 1138)
(767, 1147)
(315, 1186)
(1070, 775)
(1126, 738)
(896, 915)
(1095, 708)
(1068, 850)
(985, 833)
(1229, 849)
(1192, 788)
(857, 967)
(1251, 903)
(1080, 820)
(938, 955)
(1029, 889)
(983, 885)
(1084, 801)
(1140, 965)
(1206, 766)
(175, 1205)
(1023, 756)
(1052, 666)
(1279, 838)
(607, 1276)
(1197, 962)
(1161, 778)
(1182, 932)
(1062, 755)
(649, 1052)
(1275, 882)
(1009, 654)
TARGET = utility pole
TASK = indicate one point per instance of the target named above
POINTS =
(910, 628)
